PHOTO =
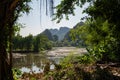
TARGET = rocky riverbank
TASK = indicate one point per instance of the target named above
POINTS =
(65, 51)
(18, 55)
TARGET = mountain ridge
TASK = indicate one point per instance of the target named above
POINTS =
(60, 33)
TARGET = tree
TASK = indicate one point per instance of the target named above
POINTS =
(41, 42)
(102, 22)
(9, 12)
(28, 42)
(17, 42)
(36, 43)
(108, 11)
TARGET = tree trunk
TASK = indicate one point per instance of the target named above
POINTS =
(3, 53)
(7, 20)
(5, 68)
(6, 13)
(4, 63)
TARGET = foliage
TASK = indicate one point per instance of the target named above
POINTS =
(77, 68)
(101, 29)
(16, 74)
(101, 35)
(64, 70)
(31, 43)
(66, 62)
(41, 42)
(113, 21)
(10, 10)
(73, 38)
(108, 11)
(67, 7)
(97, 36)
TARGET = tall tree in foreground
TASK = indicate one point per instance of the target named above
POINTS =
(9, 12)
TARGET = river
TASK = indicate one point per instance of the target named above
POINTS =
(36, 61)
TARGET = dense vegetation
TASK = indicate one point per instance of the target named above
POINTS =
(76, 41)
(101, 29)
(31, 43)
(101, 34)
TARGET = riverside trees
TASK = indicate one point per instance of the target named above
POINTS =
(31, 43)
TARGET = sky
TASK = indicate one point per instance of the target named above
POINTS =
(33, 25)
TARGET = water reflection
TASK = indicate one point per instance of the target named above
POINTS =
(34, 62)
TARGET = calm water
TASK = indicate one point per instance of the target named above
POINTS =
(34, 62)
